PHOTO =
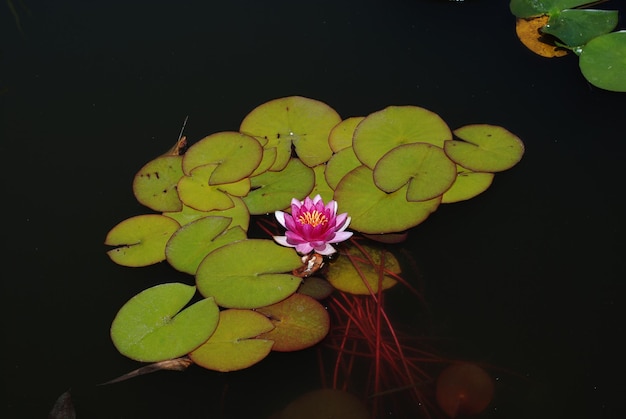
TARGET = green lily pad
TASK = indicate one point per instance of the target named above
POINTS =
(238, 213)
(273, 191)
(321, 186)
(195, 191)
(234, 155)
(340, 136)
(485, 148)
(382, 131)
(576, 27)
(151, 327)
(296, 120)
(374, 211)
(425, 167)
(339, 165)
(354, 271)
(467, 185)
(603, 61)
(155, 184)
(141, 239)
(269, 157)
(529, 8)
(192, 242)
(316, 287)
(248, 274)
(299, 323)
(234, 346)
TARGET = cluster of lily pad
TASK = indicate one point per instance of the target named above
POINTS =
(586, 32)
(389, 171)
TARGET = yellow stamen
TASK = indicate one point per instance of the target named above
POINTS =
(313, 218)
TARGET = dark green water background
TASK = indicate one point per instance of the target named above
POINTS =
(528, 277)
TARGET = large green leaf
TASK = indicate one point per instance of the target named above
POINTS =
(304, 122)
(577, 27)
(603, 61)
(425, 167)
(141, 239)
(234, 346)
(529, 8)
(155, 184)
(192, 242)
(272, 191)
(248, 274)
(299, 322)
(382, 131)
(151, 327)
(234, 155)
(374, 211)
(485, 148)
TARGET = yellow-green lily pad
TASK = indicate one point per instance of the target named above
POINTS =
(382, 131)
(340, 136)
(141, 239)
(354, 271)
(374, 211)
(425, 167)
(155, 184)
(273, 191)
(339, 165)
(467, 185)
(299, 322)
(485, 148)
(296, 120)
(238, 213)
(151, 327)
(234, 154)
(192, 242)
(234, 346)
(321, 187)
(195, 191)
(249, 274)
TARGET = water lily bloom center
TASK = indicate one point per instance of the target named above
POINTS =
(313, 226)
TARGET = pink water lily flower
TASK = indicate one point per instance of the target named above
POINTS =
(313, 226)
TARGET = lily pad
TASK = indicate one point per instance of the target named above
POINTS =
(238, 213)
(382, 131)
(151, 327)
(248, 274)
(299, 322)
(339, 165)
(425, 167)
(576, 27)
(316, 287)
(321, 186)
(529, 8)
(374, 211)
(141, 239)
(273, 191)
(603, 61)
(528, 32)
(354, 270)
(325, 403)
(485, 148)
(234, 155)
(155, 184)
(234, 346)
(192, 242)
(467, 185)
(340, 136)
(195, 191)
(296, 120)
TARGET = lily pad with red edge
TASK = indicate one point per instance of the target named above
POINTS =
(151, 327)
(155, 184)
(374, 211)
(273, 191)
(382, 131)
(140, 240)
(234, 155)
(195, 191)
(249, 274)
(485, 148)
(299, 323)
(339, 165)
(340, 136)
(296, 120)
(321, 187)
(192, 242)
(238, 213)
(234, 344)
(351, 271)
(467, 184)
(424, 167)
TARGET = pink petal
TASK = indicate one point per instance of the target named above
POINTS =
(317, 198)
(304, 248)
(280, 217)
(294, 237)
(290, 224)
(346, 223)
(341, 236)
(327, 250)
(282, 240)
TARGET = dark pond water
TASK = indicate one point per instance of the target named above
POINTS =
(527, 278)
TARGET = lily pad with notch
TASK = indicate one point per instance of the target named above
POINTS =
(155, 184)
